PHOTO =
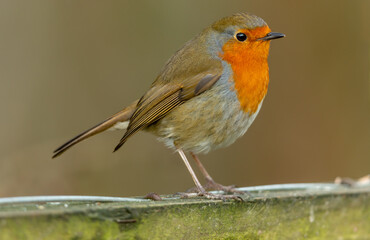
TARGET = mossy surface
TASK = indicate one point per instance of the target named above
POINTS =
(324, 218)
(45, 227)
(343, 214)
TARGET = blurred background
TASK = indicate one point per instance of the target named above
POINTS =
(67, 65)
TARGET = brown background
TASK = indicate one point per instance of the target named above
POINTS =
(67, 65)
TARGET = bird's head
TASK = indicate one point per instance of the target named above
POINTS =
(240, 37)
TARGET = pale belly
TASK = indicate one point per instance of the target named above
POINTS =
(209, 121)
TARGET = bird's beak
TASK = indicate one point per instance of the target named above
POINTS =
(272, 35)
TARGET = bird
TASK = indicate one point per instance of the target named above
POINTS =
(205, 97)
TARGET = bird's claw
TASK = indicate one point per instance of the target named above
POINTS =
(212, 185)
(212, 196)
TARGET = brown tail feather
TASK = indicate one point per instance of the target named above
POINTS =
(121, 116)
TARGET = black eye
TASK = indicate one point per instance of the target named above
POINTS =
(241, 37)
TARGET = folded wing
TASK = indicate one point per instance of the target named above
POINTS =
(162, 98)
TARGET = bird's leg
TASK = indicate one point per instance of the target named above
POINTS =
(202, 168)
(211, 184)
(200, 189)
(187, 164)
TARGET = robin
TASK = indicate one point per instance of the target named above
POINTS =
(205, 97)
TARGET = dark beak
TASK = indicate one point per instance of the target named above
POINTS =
(272, 35)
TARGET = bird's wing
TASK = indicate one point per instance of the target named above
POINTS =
(162, 98)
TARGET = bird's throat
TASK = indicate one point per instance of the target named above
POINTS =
(250, 72)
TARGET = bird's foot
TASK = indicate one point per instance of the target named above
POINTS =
(212, 185)
(153, 196)
(212, 196)
(227, 189)
(220, 197)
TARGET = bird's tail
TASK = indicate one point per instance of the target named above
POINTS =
(119, 120)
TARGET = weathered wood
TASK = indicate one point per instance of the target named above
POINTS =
(292, 211)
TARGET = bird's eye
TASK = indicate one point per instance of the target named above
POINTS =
(241, 37)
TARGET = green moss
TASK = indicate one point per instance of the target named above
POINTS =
(275, 219)
(71, 227)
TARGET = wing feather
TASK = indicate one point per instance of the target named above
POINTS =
(161, 99)
(150, 112)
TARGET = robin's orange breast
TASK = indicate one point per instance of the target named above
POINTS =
(250, 68)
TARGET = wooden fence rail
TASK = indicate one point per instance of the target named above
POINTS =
(288, 211)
